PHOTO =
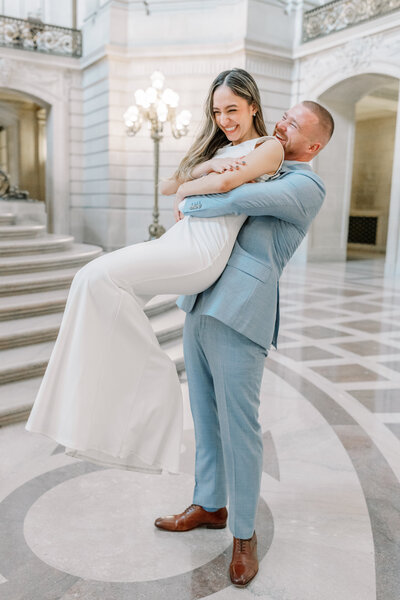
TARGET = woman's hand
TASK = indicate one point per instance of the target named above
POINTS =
(180, 195)
(220, 165)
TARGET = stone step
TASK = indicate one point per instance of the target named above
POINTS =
(14, 333)
(24, 363)
(31, 361)
(174, 349)
(22, 283)
(21, 231)
(7, 218)
(168, 325)
(78, 254)
(43, 303)
(16, 400)
(31, 330)
(160, 304)
(17, 395)
(48, 243)
(37, 303)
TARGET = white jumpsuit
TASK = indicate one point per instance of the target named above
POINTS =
(110, 394)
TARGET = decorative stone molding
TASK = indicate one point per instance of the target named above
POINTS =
(205, 64)
(352, 58)
(6, 69)
(33, 78)
(339, 14)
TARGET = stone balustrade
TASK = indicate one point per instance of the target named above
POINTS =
(341, 14)
(32, 34)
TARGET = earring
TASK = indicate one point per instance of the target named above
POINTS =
(254, 114)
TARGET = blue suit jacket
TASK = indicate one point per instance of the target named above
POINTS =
(246, 295)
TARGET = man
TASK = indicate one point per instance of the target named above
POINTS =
(230, 327)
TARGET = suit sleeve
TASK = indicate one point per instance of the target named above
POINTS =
(295, 198)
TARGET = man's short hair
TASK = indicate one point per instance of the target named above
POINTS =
(325, 118)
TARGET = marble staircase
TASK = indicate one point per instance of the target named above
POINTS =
(36, 271)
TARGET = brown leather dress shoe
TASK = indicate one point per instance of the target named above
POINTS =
(194, 516)
(244, 565)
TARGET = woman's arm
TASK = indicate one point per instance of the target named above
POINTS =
(168, 187)
(265, 159)
(214, 165)
(217, 165)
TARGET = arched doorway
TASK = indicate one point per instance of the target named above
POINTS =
(375, 129)
(348, 100)
(49, 87)
(23, 142)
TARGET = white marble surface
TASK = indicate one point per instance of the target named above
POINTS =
(321, 521)
(100, 526)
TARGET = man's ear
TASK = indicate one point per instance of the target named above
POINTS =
(314, 148)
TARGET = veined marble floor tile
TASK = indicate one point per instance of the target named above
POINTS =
(361, 307)
(347, 292)
(307, 353)
(395, 428)
(392, 364)
(345, 373)
(373, 326)
(318, 313)
(319, 332)
(329, 514)
(386, 400)
(369, 348)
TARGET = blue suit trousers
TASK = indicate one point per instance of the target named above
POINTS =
(224, 370)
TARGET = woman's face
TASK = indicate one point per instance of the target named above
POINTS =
(233, 115)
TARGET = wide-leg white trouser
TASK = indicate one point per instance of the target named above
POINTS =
(110, 394)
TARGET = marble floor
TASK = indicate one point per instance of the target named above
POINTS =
(329, 513)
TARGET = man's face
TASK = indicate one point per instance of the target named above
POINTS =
(297, 131)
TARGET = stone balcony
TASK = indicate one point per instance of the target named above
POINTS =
(340, 14)
(33, 35)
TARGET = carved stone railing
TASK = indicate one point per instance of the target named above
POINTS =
(340, 14)
(34, 35)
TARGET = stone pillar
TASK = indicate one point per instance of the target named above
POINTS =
(328, 234)
(13, 152)
(41, 152)
(28, 150)
(3, 149)
(392, 264)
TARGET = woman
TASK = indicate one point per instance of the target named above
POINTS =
(110, 394)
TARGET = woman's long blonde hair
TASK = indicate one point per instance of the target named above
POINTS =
(211, 137)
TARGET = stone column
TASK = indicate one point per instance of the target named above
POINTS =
(392, 264)
(3, 149)
(41, 152)
(328, 234)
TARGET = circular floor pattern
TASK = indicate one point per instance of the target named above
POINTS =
(18, 558)
(100, 526)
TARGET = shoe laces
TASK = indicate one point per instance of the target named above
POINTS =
(240, 544)
(190, 508)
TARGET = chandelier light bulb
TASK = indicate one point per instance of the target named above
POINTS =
(131, 115)
(184, 118)
(157, 80)
(170, 97)
(151, 95)
(140, 98)
(162, 111)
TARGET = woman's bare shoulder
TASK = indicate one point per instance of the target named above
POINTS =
(269, 142)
